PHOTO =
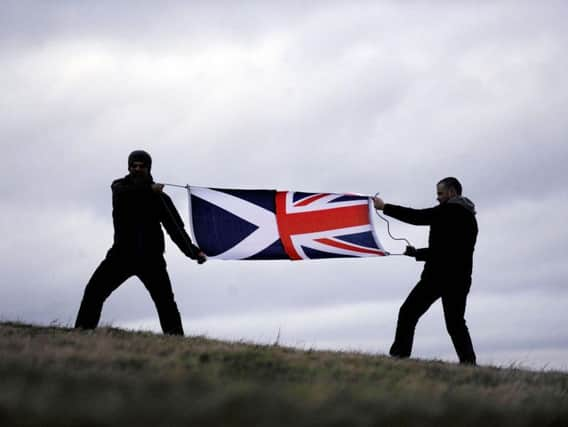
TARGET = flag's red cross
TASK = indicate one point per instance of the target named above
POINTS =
(290, 224)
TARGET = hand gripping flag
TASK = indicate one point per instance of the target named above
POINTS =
(269, 224)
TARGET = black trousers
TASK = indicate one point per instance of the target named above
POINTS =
(115, 270)
(424, 294)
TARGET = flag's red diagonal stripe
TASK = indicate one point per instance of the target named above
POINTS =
(341, 245)
(310, 199)
(315, 221)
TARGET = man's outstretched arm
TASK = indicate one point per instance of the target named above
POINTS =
(404, 214)
(175, 227)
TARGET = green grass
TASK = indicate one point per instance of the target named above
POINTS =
(51, 376)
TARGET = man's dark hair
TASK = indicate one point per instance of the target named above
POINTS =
(451, 182)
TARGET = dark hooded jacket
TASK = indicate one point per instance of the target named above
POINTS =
(453, 233)
(137, 212)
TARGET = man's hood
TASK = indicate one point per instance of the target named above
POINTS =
(463, 201)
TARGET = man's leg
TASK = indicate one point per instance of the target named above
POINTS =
(417, 303)
(108, 276)
(155, 278)
(454, 302)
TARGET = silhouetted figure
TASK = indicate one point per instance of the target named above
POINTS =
(448, 267)
(139, 209)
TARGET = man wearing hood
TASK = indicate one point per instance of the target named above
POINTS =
(448, 267)
(139, 209)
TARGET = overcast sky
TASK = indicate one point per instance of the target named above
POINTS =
(358, 96)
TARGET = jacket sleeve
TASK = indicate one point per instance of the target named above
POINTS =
(174, 226)
(411, 216)
(422, 254)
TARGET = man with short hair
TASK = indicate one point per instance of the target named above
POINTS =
(140, 207)
(448, 267)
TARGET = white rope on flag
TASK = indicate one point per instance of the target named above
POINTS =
(388, 228)
(177, 185)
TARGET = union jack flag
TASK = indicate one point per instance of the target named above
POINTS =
(270, 224)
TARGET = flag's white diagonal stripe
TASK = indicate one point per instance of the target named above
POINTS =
(261, 238)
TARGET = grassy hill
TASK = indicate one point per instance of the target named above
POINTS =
(52, 376)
